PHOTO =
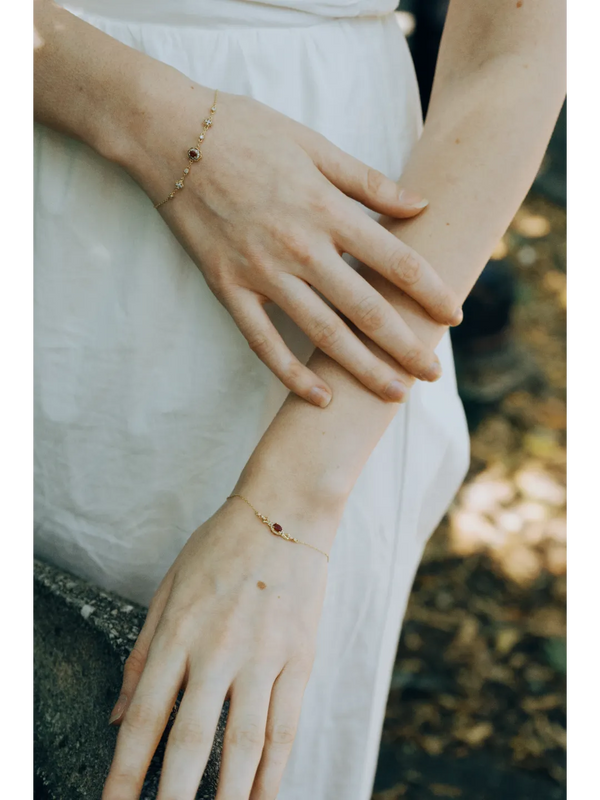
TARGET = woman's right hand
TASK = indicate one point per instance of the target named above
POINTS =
(266, 216)
(235, 617)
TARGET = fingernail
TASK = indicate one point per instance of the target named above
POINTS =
(396, 391)
(412, 199)
(118, 710)
(319, 397)
(434, 372)
(457, 317)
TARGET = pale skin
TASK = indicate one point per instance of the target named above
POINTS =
(237, 614)
(266, 215)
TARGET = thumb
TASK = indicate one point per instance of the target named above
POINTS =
(366, 184)
(136, 661)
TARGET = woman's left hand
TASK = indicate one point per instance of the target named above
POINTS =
(235, 617)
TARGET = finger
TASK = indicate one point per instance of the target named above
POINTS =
(329, 333)
(134, 666)
(265, 340)
(365, 184)
(191, 738)
(378, 248)
(351, 294)
(282, 724)
(244, 736)
(144, 722)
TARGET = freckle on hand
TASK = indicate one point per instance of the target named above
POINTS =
(519, 3)
(261, 585)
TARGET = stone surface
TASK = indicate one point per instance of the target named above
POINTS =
(82, 638)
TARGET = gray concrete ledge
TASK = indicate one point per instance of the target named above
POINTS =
(82, 638)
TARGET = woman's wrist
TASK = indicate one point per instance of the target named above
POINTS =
(163, 119)
(150, 105)
(302, 503)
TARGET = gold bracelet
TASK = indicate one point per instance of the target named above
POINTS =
(276, 528)
(194, 154)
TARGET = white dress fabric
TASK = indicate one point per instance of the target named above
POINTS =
(148, 400)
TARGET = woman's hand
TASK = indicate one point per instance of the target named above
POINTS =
(266, 216)
(236, 616)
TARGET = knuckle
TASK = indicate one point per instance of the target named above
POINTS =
(373, 378)
(218, 286)
(413, 358)
(448, 304)
(321, 203)
(119, 785)
(255, 260)
(139, 717)
(443, 308)
(406, 268)
(263, 269)
(135, 662)
(247, 736)
(188, 734)
(369, 314)
(325, 334)
(252, 253)
(297, 246)
(261, 345)
(293, 372)
(376, 181)
(174, 630)
(281, 734)
(179, 639)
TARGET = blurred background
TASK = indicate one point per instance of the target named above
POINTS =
(477, 705)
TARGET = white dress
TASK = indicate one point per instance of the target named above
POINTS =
(148, 400)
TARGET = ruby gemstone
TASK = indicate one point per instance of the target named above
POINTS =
(193, 154)
(277, 527)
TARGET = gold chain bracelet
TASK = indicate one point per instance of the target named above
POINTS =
(276, 528)
(194, 154)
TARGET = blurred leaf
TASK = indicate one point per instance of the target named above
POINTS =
(443, 790)
(506, 639)
(476, 734)
(556, 653)
(544, 703)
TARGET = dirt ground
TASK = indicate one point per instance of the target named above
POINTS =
(477, 705)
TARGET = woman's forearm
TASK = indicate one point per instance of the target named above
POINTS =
(91, 86)
(482, 144)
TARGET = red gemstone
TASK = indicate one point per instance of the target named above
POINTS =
(194, 154)
(277, 527)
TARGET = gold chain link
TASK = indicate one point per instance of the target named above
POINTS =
(194, 154)
(275, 528)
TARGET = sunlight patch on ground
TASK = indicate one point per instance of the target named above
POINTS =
(516, 518)
(533, 226)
